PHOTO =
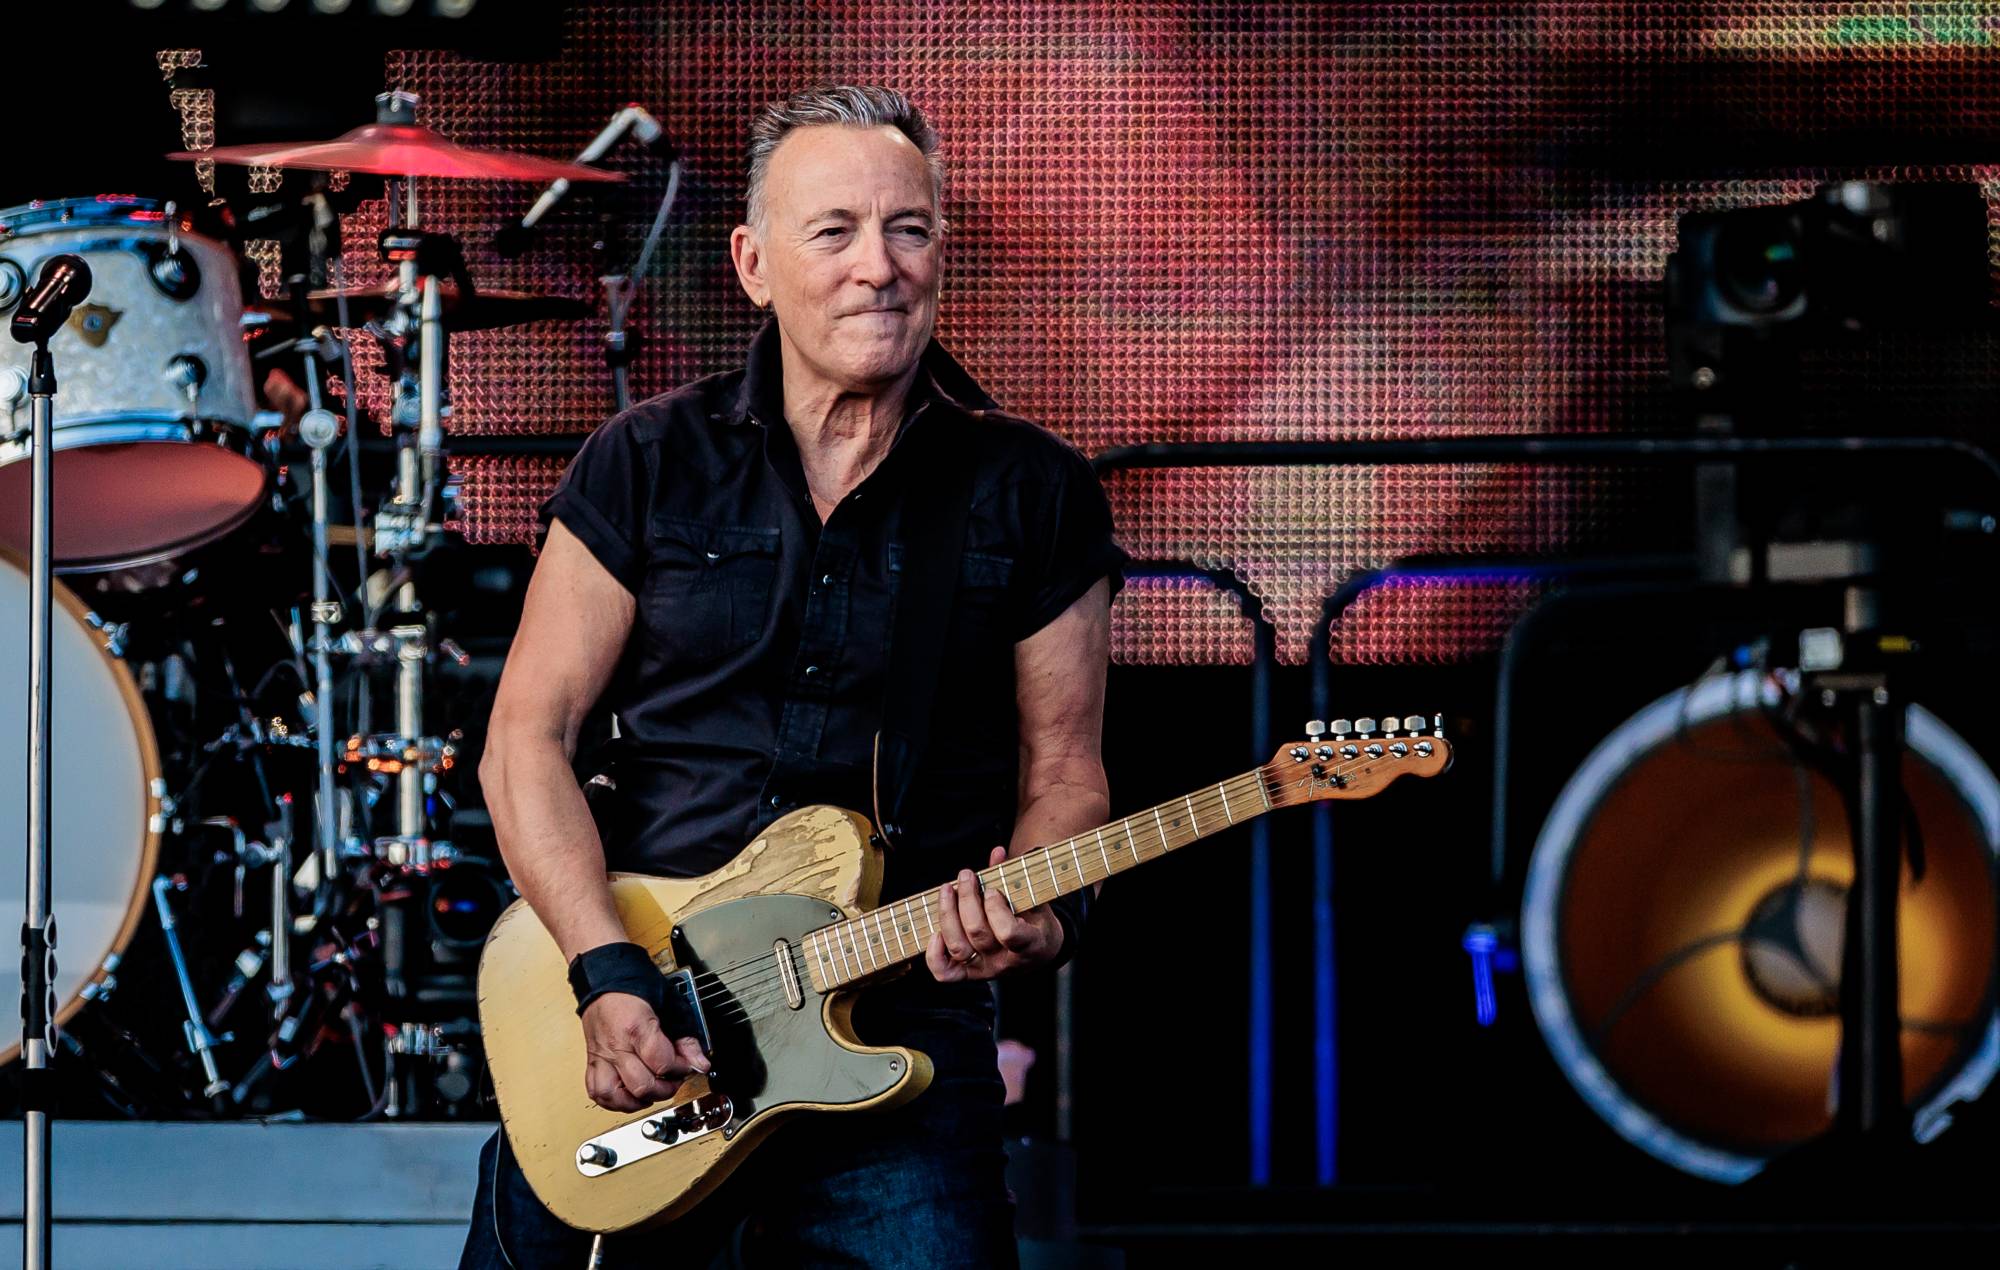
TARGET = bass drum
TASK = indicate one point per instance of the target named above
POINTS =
(106, 791)
(154, 440)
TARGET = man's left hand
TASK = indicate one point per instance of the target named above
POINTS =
(982, 937)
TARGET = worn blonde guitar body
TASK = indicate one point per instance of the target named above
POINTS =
(812, 867)
(771, 947)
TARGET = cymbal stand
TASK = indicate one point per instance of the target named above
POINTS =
(402, 533)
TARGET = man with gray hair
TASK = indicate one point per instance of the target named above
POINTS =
(727, 568)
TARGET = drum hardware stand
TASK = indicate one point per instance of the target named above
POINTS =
(402, 531)
(199, 1039)
(64, 282)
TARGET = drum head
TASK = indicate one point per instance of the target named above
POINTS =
(130, 503)
(104, 765)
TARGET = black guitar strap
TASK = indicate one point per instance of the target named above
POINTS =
(933, 546)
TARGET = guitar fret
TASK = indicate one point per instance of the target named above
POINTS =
(845, 961)
(878, 941)
(818, 941)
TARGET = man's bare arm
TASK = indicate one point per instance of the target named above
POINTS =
(573, 630)
(1059, 688)
(1059, 676)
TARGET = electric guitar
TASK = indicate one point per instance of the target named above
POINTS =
(766, 953)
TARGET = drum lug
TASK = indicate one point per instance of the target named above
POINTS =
(112, 634)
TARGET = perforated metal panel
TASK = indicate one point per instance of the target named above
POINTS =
(1241, 222)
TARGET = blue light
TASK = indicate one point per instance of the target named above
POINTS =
(1480, 942)
(1326, 1053)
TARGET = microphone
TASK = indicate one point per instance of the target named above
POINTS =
(514, 238)
(65, 281)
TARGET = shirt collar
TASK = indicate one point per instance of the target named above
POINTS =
(761, 396)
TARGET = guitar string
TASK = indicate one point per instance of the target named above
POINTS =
(749, 1001)
(758, 999)
(720, 984)
(719, 981)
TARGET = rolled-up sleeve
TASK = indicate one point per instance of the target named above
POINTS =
(1073, 541)
(603, 498)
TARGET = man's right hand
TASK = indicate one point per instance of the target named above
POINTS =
(632, 1064)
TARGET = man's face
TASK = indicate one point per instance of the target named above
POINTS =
(848, 254)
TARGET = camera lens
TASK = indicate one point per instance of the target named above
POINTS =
(1758, 267)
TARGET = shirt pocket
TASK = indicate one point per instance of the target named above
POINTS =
(708, 588)
(979, 613)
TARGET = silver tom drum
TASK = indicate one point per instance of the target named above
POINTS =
(105, 799)
(155, 405)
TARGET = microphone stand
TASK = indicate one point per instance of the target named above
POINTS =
(64, 283)
(38, 927)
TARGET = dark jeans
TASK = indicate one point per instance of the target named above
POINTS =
(921, 1187)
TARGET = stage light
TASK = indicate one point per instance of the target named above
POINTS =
(1682, 926)
(393, 8)
(454, 8)
(332, 6)
(269, 6)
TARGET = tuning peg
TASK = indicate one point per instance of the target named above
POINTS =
(1413, 724)
(1316, 729)
(1389, 724)
(1362, 727)
(1341, 727)
(1437, 725)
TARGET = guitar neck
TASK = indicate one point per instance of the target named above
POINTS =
(888, 936)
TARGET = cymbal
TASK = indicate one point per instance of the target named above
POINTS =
(485, 310)
(402, 149)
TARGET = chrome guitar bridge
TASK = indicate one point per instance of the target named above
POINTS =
(650, 1135)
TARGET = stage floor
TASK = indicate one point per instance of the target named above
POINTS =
(261, 1196)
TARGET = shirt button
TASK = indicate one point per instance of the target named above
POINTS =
(811, 671)
(826, 579)
(777, 800)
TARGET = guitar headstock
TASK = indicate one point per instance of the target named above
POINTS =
(1355, 758)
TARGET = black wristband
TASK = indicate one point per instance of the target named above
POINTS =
(617, 968)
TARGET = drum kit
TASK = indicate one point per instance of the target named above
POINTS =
(248, 867)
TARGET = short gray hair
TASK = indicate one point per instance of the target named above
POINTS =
(856, 105)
